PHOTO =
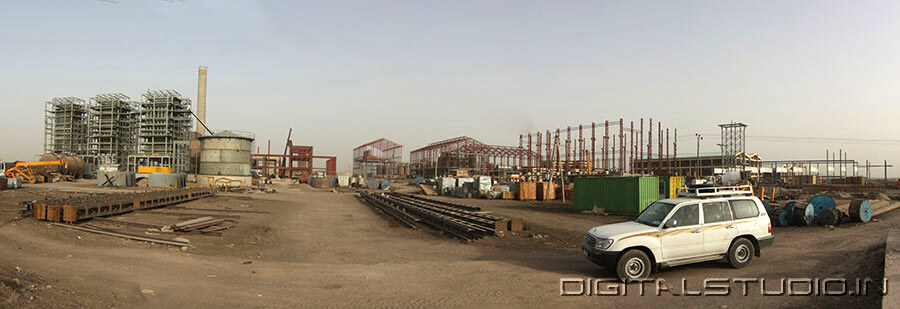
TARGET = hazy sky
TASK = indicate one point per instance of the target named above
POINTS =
(341, 73)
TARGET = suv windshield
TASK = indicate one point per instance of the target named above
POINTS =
(655, 213)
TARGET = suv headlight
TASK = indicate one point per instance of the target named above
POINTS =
(603, 243)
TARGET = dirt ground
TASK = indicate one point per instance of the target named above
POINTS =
(324, 249)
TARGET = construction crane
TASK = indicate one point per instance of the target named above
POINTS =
(30, 171)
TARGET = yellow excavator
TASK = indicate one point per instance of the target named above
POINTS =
(33, 172)
(50, 164)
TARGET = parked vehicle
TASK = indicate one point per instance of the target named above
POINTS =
(701, 224)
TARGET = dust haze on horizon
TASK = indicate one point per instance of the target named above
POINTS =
(415, 72)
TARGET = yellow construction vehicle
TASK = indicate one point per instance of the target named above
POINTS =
(32, 172)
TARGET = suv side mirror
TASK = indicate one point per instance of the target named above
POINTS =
(671, 223)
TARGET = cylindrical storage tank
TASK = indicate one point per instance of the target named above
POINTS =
(72, 165)
(226, 154)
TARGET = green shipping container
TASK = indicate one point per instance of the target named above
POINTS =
(617, 195)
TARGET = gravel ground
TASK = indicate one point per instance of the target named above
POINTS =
(318, 248)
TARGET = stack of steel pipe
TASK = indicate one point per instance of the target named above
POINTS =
(73, 209)
(460, 223)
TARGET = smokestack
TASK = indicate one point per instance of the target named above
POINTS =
(201, 98)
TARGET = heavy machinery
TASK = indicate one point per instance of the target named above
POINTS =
(49, 165)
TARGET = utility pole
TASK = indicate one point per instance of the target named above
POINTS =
(675, 154)
(699, 138)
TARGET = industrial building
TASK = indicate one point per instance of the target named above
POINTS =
(609, 147)
(66, 126)
(696, 166)
(296, 163)
(112, 130)
(164, 124)
(464, 156)
(380, 158)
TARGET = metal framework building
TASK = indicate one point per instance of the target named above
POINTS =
(296, 163)
(613, 150)
(464, 153)
(164, 124)
(379, 158)
(734, 141)
(66, 126)
(112, 131)
(698, 166)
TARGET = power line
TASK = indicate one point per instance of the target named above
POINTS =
(818, 140)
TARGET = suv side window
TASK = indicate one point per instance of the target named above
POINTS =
(716, 212)
(744, 209)
(687, 215)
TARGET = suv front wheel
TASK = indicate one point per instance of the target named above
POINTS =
(634, 264)
(741, 253)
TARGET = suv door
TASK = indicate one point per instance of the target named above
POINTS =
(684, 239)
(718, 227)
(746, 212)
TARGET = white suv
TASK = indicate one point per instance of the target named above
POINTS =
(703, 224)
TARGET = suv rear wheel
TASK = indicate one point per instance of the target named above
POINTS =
(741, 253)
(634, 264)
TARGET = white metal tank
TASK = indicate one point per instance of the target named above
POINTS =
(226, 153)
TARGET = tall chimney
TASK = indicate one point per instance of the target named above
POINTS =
(201, 99)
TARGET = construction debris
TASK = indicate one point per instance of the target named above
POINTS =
(222, 210)
(197, 224)
(101, 231)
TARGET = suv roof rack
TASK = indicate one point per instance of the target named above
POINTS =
(714, 191)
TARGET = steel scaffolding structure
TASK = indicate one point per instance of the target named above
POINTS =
(380, 157)
(164, 123)
(464, 153)
(65, 126)
(611, 147)
(734, 142)
(112, 129)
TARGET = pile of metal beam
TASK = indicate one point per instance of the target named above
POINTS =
(74, 209)
(204, 224)
(447, 217)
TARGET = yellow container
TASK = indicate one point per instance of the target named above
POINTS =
(154, 169)
(675, 182)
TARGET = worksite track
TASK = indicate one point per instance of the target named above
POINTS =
(451, 219)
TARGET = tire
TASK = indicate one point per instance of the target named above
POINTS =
(633, 264)
(741, 253)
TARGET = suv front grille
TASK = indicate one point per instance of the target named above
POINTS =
(591, 241)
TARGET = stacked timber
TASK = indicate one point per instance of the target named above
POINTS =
(526, 191)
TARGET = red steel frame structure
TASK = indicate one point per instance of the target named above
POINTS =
(609, 151)
(297, 164)
(380, 157)
(446, 156)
